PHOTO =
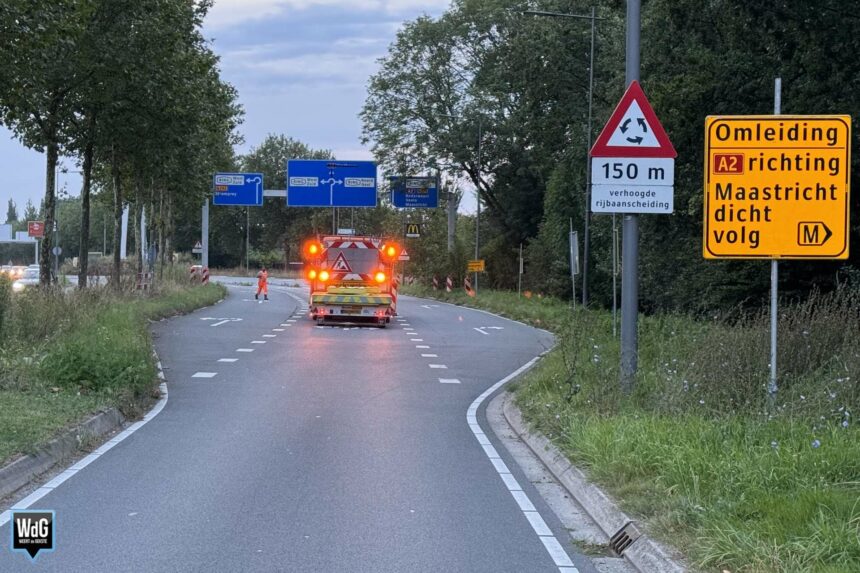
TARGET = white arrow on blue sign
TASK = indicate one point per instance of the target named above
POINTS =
(331, 183)
(238, 189)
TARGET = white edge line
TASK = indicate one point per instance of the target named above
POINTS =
(81, 464)
(555, 550)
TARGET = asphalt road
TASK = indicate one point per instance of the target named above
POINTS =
(290, 447)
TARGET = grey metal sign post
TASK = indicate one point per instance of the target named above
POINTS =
(630, 239)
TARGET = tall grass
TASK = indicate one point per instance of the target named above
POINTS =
(698, 452)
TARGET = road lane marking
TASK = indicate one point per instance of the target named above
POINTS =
(62, 477)
(448, 381)
(258, 342)
(291, 320)
(429, 356)
(538, 524)
(480, 329)
(204, 375)
(228, 359)
(550, 542)
(421, 346)
(438, 366)
(416, 340)
(244, 350)
(220, 323)
(277, 330)
(269, 335)
(285, 324)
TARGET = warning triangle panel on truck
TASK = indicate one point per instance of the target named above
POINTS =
(340, 265)
(633, 130)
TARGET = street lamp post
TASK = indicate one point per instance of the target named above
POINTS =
(587, 214)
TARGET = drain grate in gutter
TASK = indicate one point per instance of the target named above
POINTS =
(624, 538)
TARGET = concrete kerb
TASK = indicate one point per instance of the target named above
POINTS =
(643, 553)
(22, 471)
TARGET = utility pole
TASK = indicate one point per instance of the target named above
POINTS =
(478, 197)
(630, 239)
(586, 253)
(204, 258)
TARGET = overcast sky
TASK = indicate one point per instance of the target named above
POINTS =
(300, 66)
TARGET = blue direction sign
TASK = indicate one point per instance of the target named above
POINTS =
(414, 192)
(330, 183)
(238, 189)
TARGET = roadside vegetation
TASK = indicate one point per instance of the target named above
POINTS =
(697, 451)
(66, 354)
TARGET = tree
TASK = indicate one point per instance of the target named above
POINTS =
(12, 212)
(30, 212)
(38, 77)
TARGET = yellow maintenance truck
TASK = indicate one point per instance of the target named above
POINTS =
(351, 279)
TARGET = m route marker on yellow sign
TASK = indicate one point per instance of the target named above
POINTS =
(777, 187)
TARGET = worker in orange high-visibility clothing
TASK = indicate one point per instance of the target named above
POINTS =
(262, 284)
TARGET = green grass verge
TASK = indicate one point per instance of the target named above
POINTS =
(94, 353)
(696, 452)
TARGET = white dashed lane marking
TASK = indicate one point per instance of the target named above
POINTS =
(269, 335)
(448, 381)
(422, 346)
(438, 366)
(227, 359)
(416, 340)
(204, 375)
(277, 330)
(244, 350)
(429, 356)
(258, 342)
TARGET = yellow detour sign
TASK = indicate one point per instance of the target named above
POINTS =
(777, 186)
(476, 266)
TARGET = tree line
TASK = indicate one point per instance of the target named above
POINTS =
(502, 97)
(131, 90)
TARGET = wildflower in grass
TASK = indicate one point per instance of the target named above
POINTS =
(702, 402)
(816, 444)
(844, 423)
(774, 444)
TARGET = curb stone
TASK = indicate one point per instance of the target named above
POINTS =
(22, 471)
(643, 553)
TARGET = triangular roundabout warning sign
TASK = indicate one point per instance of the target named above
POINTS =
(340, 265)
(633, 130)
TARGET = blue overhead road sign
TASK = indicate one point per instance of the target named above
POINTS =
(330, 183)
(238, 189)
(414, 192)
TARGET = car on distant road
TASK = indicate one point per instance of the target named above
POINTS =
(29, 279)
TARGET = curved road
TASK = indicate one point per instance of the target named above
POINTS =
(285, 446)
